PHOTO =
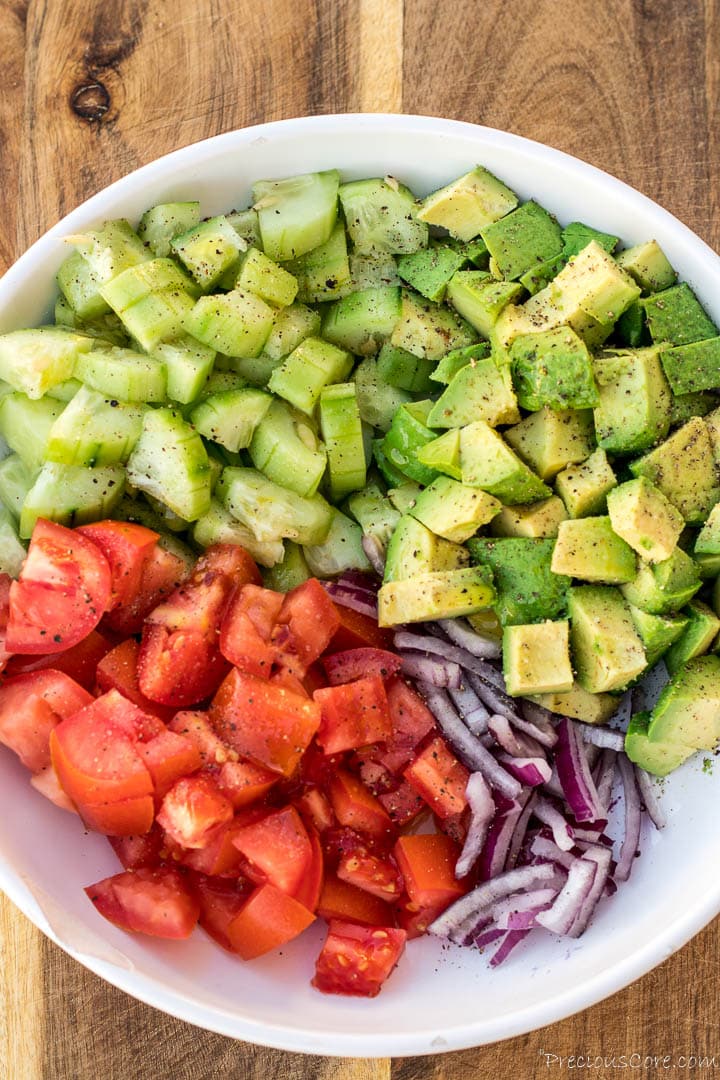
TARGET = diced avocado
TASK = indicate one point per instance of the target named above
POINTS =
(468, 204)
(402, 369)
(606, 649)
(380, 217)
(666, 586)
(457, 359)
(579, 704)
(541, 274)
(635, 400)
(657, 632)
(588, 548)
(487, 462)
(270, 511)
(408, 432)
(322, 272)
(676, 315)
(536, 658)
(442, 454)
(310, 367)
(648, 264)
(697, 637)
(404, 495)
(362, 321)
(285, 448)
(296, 214)
(577, 235)
(630, 327)
(341, 550)
(452, 510)
(218, 526)
(684, 469)
(414, 550)
(712, 422)
(658, 758)
(708, 565)
(430, 269)
(688, 709)
(442, 595)
(685, 406)
(553, 368)
(289, 572)
(584, 487)
(708, 539)
(527, 589)
(549, 440)
(374, 512)
(640, 513)
(537, 520)
(482, 390)
(429, 330)
(521, 239)
(479, 299)
(693, 367)
(596, 283)
(377, 400)
(546, 310)
(33, 361)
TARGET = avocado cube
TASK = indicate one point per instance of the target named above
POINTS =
(404, 495)
(697, 637)
(676, 315)
(684, 469)
(479, 299)
(553, 368)
(429, 330)
(635, 400)
(658, 758)
(712, 422)
(588, 548)
(467, 204)
(540, 519)
(693, 367)
(523, 238)
(685, 406)
(457, 359)
(708, 539)
(536, 658)
(549, 440)
(488, 462)
(415, 550)
(445, 594)
(666, 586)
(579, 704)
(482, 390)
(401, 369)
(657, 632)
(594, 281)
(430, 269)
(442, 454)
(708, 565)
(577, 235)
(606, 649)
(584, 487)
(541, 274)
(310, 367)
(527, 589)
(688, 709)
(546, 310)
(630, 327)
(454, 511)
(648, 264)
(641, 514)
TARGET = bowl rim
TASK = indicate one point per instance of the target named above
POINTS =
(331, 1042)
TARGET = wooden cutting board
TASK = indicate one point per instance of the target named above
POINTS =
(93, 88)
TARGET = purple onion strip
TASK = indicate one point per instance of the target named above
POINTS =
(533, 772)
(474, 714)
(606, 777)
(488, 893)
(429, 669)
(356, 601)
(494, 697)
(486, 937)
(562, 833)
(553, 786)
(544, 848)
(602, 857)
(482, 811)
(569, 902)
(649, 798)
(406, 639)
(602, 736)
(522, 904)
(519, 832)
(512, 938)
(633, 819)
(502, 829)
(461, 633)
(517, 745)
(575, 776)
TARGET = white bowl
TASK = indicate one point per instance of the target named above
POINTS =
(440, 998)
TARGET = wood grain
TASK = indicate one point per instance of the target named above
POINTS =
(93, 88)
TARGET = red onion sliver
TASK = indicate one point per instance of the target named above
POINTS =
(493, 859)
(517, 745)
(359, 579)
(602, 736)
(493, 696)
(633, 819)
(533, 772)
(540, 718)
(512, 938)
(486, 937)
(553, 786)
(430, 670)
(562, 833)
(525, 905)
(482, 811)
(649, 798)
(574, 773)
(544, 848)
(488, 893)
(602, 857)
(518, 835)
(461, 633)
(472, 711)
(355, 601)
(569, 902)
(606, 777)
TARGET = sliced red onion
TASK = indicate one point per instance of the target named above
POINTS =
(482, 811)
(602, 736)
(406, 639)
(461, 633)
(518, 912)
(493, 859)
(562, 833)
(545, 736)
(520, 831)
(363, 603)
(585, 838)
(569, 902)
(605, 777)
(522, 878)
(574, 773)
(512, 938)
(592, 755)
(544, 848)
(486, 937)
(649, 798)
(359, 579)
(472, 711)
(466, 745)
(430, 670)
(375, 553)
(533, 772)
(494, 697)
(633, 819)
(553, 786)
(602, 857)
(517, 745)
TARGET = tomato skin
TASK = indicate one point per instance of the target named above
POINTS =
(311, 886)
(162, 573)
(122, 817)
(340, 900)
(344, 667)
(195, 724)
(357, 631)
(440, 778)
(79, 662)
(411, 721)
(47, 783)
(266, 723)
(63, 591)
(372, 874)
(168, 757)
(149, 901)
(355, 807)
(427, 862)
(305, 626)
(231, 560)
(179, 668)
(353, 714)
(220, 899)
(279, 847)
(117, 670)
(268, 919)
(243, 782)
(31, 706)
(246, 629)
(126, 547)
(191, 810)
(356, 960)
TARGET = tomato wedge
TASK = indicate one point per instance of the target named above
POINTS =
(127, 548)
(267, 920)
(148, 901)
(353, 714)
(63, 591)
(306, 624)
(80, 662)
(31, 706)
(440, 778)
(356, 959)
(279, 847)
(192, 809)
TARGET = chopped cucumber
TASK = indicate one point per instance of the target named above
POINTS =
(272, 512)
(94, 430)
(72, 495)
(170, 463)
(297, 214)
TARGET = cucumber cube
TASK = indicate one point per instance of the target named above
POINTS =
(320, 273)
(72, 495)
(341, 429)
(262, 276)
(158, 317)
(302, 375)
(16, 479)
(237, 324)
(123, 374)
(208, 250)
(284, 447)
(94, 430)
(340, 551)
(380, 217)
(162, 223)
(231, 417)
(79, 286)
(270, 511)
(220, 527)
(188, 364)
(377, 400)
(297, 214)
(25, 425)
(138, 282)
(111, 249)
(170, 464)
(12, 552)
(292, 325)
(33, 361)
(362, 321)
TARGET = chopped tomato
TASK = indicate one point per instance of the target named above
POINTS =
(427, 862)
(5, 583)
(357, 959)
(266, 723)
(219, 857)
(121, 817)
(268, 919)
(344, 667)
(411, 722)
(279, 847)
(314, 805)
(136, 851)
(127, 548)
(311, 886)
(31, 706)
(353, 714)
(168, 757)
(149, 901)
(243, 782)
(414, 920)
(179, 668)
(285, 678)
(440, 778)
(192, 809)
(79, 662)
(305, 626)
(220, 901)
(356, 631)
(247, 627)
(63, 591)
(403, 803)
(355, 806)
(372, 873)
(196, 725)
(162, 573)
(340, 900)
(117, 670)
(233, 561)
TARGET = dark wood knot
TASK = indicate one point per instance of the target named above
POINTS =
(90, 101)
